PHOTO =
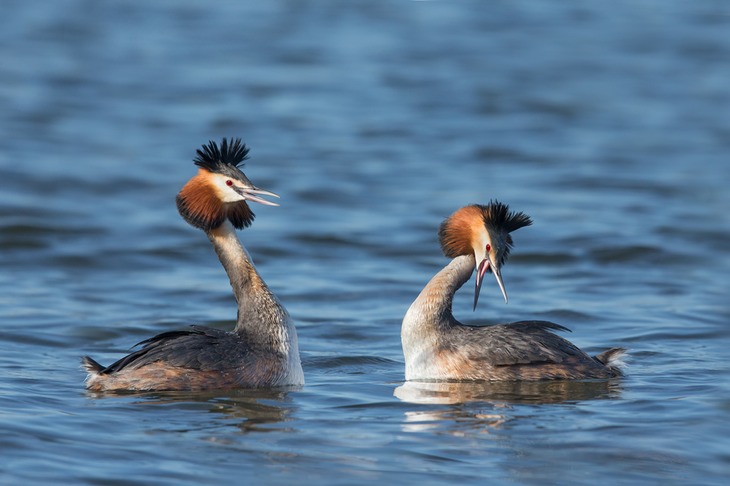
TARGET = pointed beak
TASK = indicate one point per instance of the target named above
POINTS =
(482, 268)
(498, 275)
(252, 194)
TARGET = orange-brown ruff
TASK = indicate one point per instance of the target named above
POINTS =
(438, 347)
(262, 350)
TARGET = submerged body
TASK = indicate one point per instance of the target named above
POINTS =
(438, 347)
(262, 350)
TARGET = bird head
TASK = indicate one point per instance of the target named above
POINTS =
(220, 190)
(484, 231)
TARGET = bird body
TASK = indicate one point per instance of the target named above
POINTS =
(438, 347)
(262, 350)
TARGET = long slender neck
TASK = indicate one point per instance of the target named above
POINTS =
(432, 308)
(258, 308)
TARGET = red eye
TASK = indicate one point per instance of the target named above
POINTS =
(229, 182)
(489, 247)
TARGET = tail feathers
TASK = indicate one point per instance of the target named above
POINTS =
(613, 359)
(91, 366)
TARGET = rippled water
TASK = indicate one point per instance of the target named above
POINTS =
(607, 123)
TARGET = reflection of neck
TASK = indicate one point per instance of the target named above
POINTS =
(260, 315)
(432, 308)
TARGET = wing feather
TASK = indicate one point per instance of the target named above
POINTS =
(198, 348)
(517, 343)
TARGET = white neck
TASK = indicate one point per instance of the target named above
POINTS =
(430, 314)
(261, 317)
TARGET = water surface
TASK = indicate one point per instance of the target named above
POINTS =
(607, 124)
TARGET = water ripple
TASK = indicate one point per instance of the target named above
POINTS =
(607, 123)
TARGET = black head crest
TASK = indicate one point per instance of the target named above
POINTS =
(498, 216)
(221, 160)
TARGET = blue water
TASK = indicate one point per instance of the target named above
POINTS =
(606, 122)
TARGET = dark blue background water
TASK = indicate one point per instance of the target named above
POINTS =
(607, 122)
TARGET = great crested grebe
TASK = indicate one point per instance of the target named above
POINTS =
(438, 347)
(262, 349)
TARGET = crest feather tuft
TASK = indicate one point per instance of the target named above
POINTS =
(217, 159)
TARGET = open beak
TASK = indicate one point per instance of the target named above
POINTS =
(252, 194)
(484, 266)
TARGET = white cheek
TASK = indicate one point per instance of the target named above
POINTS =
(480, 251)
(226, 192)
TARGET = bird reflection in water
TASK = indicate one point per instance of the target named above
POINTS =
(497, 397)
(251, 410)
